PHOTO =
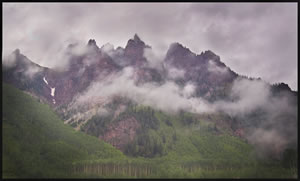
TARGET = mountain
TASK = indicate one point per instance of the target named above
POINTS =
(189, 107)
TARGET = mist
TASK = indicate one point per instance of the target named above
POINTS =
(161, 97)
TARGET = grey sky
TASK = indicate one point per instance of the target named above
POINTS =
(254, 39)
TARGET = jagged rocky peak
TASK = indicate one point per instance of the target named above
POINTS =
(119, 48)
(176, 45)
(134, 50)
(208, 54)
(17, 51)
(281, 87)
(179, 47)
(136, 42)
(136, 38)
(176, 49)
(92, 43)
(19, 57)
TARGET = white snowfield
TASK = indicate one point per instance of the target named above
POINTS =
(45, 81)
(52, 94)
(52, 91)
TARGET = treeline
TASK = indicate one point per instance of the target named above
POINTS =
(205, 168)
(210, 164)
(145, 116)
(97, 125)
(145, 146)
(110, 169)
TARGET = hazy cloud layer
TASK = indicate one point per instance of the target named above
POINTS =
(255, 39)
(151, 94)
(155, 57)
(248, 96)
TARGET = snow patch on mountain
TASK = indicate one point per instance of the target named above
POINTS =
(45, 80)
(52, 91)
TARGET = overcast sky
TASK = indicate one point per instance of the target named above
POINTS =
(254, 39)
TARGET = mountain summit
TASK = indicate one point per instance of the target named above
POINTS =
(136, 38)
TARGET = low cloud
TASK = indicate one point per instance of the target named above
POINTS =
(247, 96)
(175, 73)
(189, 90)
(168, 97)
(115, 54)
(109, 49)
(267, 141)
(273, 127)
(31, 71)
(154, 57)
(69, 53)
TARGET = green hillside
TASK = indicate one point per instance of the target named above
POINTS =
(36, 144)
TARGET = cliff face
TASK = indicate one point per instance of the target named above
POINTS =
(121, 133)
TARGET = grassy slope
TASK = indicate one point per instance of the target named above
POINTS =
(38, 144)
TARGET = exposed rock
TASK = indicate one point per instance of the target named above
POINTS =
(134, 52)
(239, 132)
(120, 133)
